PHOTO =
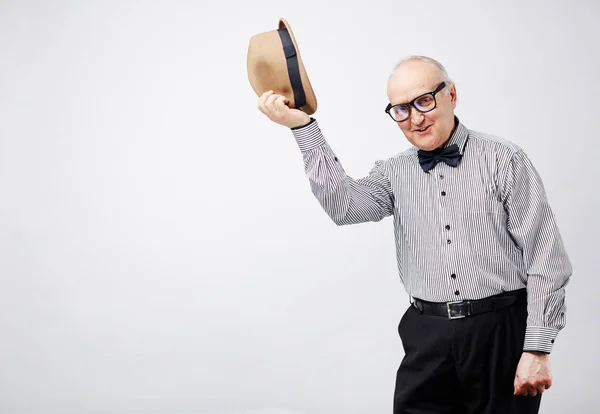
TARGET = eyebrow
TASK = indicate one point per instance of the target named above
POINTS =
(419, 95)
(407, 102)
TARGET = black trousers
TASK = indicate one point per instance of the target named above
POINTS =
(462, 366)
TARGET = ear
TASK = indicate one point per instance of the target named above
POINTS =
(453, 96)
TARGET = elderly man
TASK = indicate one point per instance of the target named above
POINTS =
(478, 248)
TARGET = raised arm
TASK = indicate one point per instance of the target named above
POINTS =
(345, 199)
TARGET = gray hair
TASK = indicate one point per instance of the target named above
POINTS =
(427, 59)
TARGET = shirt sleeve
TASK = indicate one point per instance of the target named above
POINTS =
(534, 229)
(346, 200)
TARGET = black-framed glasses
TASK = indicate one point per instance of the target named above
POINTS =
(422, 103)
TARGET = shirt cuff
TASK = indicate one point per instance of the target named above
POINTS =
(309, 136)
(539, 339)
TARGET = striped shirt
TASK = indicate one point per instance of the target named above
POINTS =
(466, 232)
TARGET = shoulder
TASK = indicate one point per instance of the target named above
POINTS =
(404, 159)
(505, 154)
(487, 142)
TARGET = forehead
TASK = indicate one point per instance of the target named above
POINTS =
(411, 79)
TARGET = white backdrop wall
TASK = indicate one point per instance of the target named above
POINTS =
(160, 250)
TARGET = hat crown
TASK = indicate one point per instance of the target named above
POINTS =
(269, 68)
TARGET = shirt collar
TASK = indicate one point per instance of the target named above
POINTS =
(459, 136)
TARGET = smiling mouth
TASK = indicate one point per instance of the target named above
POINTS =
(423, 129)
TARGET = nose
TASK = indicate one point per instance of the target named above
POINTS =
(416, 117)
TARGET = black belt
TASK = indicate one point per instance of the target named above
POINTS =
(463, 308)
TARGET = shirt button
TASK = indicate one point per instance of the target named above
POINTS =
(453, 275)
(443, 193)
(457, 293)
(448, 241)
(441, 176)
(447, 227)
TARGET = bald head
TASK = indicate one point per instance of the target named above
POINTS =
(426, 59)
(413, 77)
(417, 69)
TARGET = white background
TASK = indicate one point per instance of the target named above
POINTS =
(160, 250)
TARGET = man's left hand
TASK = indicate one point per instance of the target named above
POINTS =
(533, 374)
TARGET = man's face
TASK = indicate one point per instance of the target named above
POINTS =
(428, 130)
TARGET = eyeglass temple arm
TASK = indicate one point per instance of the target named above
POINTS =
(411, 103)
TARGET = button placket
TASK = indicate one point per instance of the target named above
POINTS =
(443, 194)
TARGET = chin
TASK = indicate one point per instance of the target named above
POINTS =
(426, 143)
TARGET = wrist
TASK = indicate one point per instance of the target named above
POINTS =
(309, 137)
(537, 353)
(539, 339)
(301, 124)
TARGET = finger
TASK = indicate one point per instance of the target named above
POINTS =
(265, 95)
(280, 104)
(263, 99)
(268, 105)
(283, 99)
(274, 110)
(261, 107)
(524, 390)
(271, 99)
(535, 389)
(540, 389)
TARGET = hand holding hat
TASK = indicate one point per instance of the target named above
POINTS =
(276, 107)
(277, 74)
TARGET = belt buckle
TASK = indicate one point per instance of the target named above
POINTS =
(456, 312)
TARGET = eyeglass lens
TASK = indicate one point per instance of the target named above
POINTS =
(424, 103)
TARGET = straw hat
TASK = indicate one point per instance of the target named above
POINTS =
(274, 63)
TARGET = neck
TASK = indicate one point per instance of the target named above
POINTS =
(450, 134)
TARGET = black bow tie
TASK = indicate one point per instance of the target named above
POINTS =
(428, 159)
